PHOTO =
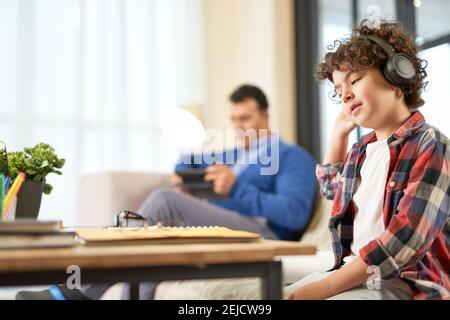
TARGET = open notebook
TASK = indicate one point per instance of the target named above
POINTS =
(99, 236)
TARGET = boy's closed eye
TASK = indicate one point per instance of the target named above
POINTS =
(356, 80)
(352, 82)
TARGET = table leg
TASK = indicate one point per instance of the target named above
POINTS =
(134, 290)
(272, 282)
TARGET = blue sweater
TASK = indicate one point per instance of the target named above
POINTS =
(285, 198)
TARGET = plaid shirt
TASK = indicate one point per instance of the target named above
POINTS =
(415, 245)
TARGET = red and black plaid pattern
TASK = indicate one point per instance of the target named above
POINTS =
(416, 243)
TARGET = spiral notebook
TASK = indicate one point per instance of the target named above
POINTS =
(156, 235)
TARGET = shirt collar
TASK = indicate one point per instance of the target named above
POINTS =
(409, 127)
(414, 122)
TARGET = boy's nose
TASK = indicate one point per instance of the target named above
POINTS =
(348, 96)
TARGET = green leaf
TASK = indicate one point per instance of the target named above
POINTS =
(60, 163)
(30, 171)
(47, 188)
(37, 162)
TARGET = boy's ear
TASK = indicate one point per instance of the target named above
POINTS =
(398, 91)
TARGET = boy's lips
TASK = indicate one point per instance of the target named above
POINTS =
(353, 107)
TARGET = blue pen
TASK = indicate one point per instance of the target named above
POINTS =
(7, 182)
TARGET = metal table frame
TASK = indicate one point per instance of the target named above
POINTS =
(269, 271)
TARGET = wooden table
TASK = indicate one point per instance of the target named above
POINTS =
(139, 263)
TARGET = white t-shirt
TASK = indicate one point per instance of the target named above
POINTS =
(368, 198)
(369, 222)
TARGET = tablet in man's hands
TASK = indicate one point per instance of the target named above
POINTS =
(193, 180)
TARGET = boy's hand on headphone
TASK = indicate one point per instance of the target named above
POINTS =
(344, 124)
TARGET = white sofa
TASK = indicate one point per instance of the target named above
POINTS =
(103, 194)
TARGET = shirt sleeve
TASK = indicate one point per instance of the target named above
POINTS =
(328, 176)
(291, 204)
(421, 214)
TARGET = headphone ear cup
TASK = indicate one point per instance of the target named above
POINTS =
(391, 75)
(398, 70)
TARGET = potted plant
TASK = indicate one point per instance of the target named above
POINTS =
(36, 162)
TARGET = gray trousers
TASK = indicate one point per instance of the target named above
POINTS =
(175, 208)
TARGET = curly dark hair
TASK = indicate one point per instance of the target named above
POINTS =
(358, 53)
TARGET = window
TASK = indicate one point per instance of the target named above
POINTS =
(433, 29)
(91, 77)
(436, 110)
(335, 22)
(432, 19)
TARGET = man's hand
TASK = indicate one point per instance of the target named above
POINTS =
(176, 180)
(222, 178)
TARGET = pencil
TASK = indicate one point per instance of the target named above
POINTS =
(2, 192)
(13, 192)
(6, 187)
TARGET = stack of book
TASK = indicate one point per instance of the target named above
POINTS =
(34, 234)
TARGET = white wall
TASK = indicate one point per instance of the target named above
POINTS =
(250, 41)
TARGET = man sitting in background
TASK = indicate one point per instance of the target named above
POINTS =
(273, 197)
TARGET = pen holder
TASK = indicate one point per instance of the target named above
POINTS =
(29, 199)
(10, 215)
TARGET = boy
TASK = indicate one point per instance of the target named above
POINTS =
(390, 216)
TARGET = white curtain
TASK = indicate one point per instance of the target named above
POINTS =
(90, 77)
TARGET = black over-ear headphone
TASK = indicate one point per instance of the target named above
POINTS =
(398, 69)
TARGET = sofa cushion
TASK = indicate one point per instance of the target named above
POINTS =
(296, 268)
(317, 232)
(101, 195)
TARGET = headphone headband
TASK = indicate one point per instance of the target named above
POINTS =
(386, 46)
(399, 68)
